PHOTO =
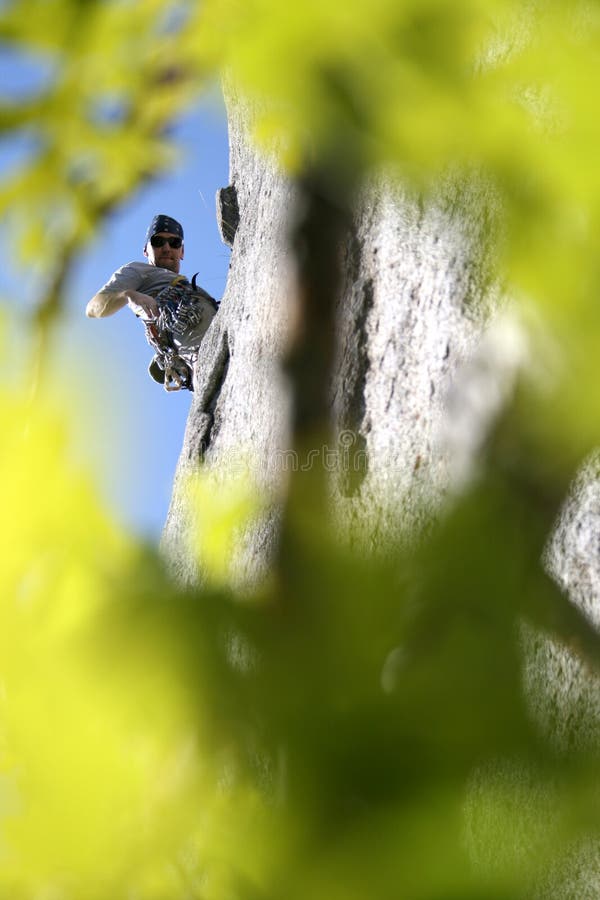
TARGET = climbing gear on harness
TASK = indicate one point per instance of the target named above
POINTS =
(184, 313)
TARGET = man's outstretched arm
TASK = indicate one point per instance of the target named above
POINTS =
(106, 303)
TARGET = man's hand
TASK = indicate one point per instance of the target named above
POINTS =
(142, 305)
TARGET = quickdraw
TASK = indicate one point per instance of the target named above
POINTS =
(185, 312)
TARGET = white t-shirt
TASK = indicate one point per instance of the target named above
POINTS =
(139, 276)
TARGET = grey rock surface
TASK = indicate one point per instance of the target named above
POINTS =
(228, 213)
(412, 309)
(425, 360)
(567, 695)
(238, 418)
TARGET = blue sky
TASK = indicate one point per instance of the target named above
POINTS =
(128, 431)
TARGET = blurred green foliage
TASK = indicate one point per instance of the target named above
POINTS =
(354, 728)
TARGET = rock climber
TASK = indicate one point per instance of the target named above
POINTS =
(175, 312)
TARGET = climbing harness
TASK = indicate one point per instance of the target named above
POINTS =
(184, 313)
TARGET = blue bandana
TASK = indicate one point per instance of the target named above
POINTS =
(163, 223)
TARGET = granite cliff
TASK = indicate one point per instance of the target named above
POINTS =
(427, 355)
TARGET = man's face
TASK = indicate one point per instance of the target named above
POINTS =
(166, 257)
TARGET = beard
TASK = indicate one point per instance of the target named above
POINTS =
(171, 264)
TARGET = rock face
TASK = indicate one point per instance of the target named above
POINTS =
(567, 699)
(238, 418)
(424, 361)
(411, 311)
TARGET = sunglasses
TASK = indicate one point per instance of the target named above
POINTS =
(173, 242)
